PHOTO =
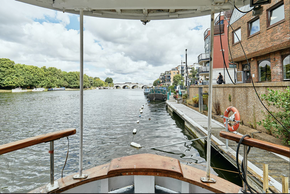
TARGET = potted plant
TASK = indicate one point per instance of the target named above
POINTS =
(195, 101)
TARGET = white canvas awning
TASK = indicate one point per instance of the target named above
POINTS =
(139, 9)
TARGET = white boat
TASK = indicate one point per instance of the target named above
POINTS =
(38, 90)
(145, 173)
(18, 90)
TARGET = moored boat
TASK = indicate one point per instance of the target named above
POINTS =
(158, 94)
(18, 90)
(56, 89)
(38, 90)
(146, 91)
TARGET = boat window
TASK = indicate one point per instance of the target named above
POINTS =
(264, 70)
(254, 26)
(237, 36)
(276, 14)
(286, 67)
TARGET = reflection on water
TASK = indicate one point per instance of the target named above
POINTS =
(109, 119)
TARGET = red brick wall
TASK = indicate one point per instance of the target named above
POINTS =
(268, 40)
(270, 43)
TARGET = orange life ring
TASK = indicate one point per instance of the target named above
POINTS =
(237, 118)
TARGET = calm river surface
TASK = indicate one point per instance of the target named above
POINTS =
(109, 118)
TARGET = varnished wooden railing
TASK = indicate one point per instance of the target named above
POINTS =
(35, 140)
(279, 149)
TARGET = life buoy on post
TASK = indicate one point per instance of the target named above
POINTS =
(237, 118)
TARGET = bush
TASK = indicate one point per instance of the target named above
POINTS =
(195, 100)
(281, 101)
(217, 108)
(184, 96)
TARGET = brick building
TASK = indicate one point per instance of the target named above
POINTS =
(266, 41)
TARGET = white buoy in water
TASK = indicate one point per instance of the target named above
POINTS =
(141, 111)
(137, 121)
(135, 145)
(134, 131)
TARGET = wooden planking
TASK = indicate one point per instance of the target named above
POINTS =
(9, 147)
(186, 173)
(148, 164)
(279, 149)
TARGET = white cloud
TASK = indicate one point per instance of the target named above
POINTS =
(125, 50)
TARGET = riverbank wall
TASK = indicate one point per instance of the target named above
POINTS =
(243, 97)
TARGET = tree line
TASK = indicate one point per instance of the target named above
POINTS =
(27, 76)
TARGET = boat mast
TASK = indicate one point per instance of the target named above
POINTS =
(208, 159)
(81, 175)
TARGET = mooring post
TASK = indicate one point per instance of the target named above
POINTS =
(245, 164)
(285, 186)
(200, 100)
(265, 178)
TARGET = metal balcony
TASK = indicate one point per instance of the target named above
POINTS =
(203, 57)
(203, 70)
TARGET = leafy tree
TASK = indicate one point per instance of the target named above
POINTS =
(281, 101)
(156, 82)
(177, 79)
(109, 80)
(192, 76)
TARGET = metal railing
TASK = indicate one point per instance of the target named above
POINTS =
(203, 57)
(203, 69)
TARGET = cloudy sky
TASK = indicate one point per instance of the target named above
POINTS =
(125, 50)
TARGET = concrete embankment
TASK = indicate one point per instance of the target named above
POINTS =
(197, 123)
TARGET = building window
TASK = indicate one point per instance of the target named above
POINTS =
(254, 27)
(276, 14)
(286, 67)
(237, 36)
(265, 71)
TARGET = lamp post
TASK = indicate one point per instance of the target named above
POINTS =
(187, 86)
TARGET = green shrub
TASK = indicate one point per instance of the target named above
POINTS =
(281, 101)
(184, 96)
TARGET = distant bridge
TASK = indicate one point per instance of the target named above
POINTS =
(130, 85)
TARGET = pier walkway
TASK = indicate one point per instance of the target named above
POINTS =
(197, 123)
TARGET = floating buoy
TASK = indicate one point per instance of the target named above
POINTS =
(134, 131)
(149, 119)
(137, 121)
(141, 111)
(136, 145)
(139, 115)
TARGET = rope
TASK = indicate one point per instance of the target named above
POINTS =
(66, 157)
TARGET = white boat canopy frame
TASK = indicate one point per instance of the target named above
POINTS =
(144, 10)
(139, 9)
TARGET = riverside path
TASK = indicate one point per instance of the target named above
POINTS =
(196, 123)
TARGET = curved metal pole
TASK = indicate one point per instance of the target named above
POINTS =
(207, 178)
(80, 175)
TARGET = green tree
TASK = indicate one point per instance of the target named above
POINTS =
(156, 82)
(177, 80)
(192, 76)
(281, 101)
(109, 80)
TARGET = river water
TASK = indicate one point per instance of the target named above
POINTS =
(109, 119)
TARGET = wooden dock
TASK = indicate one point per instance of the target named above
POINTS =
(279, 165)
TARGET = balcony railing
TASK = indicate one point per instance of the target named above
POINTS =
(203, 57)
(203, 69)
(206, 33)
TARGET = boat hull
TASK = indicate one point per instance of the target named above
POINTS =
(157, 97)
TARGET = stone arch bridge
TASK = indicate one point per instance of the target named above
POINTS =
(130, 85)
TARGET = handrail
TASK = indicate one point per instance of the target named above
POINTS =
(279, 149)
(9, 147)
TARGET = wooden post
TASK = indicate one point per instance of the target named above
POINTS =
(200, 100)
(285, 186)
(265, 178)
